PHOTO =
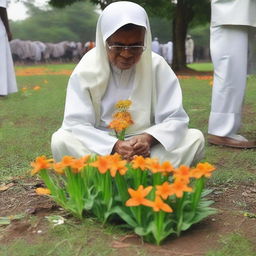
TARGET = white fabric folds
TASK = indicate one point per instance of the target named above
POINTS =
(156, 95)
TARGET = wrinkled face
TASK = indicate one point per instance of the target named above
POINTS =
(125, 58)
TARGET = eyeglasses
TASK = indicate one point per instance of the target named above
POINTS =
(133, 49)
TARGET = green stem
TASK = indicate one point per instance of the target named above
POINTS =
(138, 215)
(179, 213)
(157, 179)
(121, 135)
(137, 178)
(121, 187)
(107, 188)
(159, 220)
(199, 186)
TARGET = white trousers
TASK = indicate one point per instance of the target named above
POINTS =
(188, 152)
(229, 52)
(7, 75)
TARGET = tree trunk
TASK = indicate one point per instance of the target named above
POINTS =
(183, 15)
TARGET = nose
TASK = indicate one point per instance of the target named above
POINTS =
(126, 53)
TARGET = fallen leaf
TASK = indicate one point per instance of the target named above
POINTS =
(117, 244)
(6, 187)
(7, 220)
(55, 219)
(4, 221)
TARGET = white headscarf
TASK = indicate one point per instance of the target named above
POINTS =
(93, 70)
(109, 24)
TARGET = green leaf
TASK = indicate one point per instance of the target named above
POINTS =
(89, 202)
(143, 231)
(5, 221)
(206, 192)
(124, 215)
(205, 203)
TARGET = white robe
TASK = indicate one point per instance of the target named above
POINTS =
(153, 89)
(7, 74)
(233, 24)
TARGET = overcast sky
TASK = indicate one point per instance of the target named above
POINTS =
(17, 11)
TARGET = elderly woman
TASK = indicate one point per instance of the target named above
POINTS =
(122, 66)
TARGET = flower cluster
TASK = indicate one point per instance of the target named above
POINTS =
(121, 118)
(209, 78)
(155, 199)
(26, 89)
(39, 71)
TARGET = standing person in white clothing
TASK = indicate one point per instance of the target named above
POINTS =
(7, 74)
(233, 23)
(189, 46)
(156, 46)
(169, 52)
(123, 66)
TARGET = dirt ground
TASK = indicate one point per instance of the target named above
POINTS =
(18, 197)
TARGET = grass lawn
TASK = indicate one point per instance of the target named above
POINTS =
(29, 117)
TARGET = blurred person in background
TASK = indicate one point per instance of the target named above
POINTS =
(7, 74)
(156, 46)
(189, 46)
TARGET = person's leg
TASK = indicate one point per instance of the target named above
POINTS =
(188, 152)
(229, 47)
(7, 73)
(3, 63)
(65, 144)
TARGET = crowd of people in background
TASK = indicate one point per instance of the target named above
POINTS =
(37, 51)
(166, 49)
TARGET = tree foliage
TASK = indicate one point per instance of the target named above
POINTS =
(73, 23)
(182, 13)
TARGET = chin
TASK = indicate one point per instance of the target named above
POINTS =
(124, 66)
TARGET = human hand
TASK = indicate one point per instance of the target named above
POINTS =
(142, 144)
(124, 148)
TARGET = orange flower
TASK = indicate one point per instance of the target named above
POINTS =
(118, 125)
(77, 165)
(153, 165)
(37, 88)
(43, 191)
(158, 205)
(166, 167)
(202, 169)
(126, 116)
(138, 196)
(179, 187)
(102, 164)
(164, 190)
(139, 162)
(24, 89)
(123, 104)
(184, 77)
(182, 173)
(117, 164)
(67, 160)
(41, 163)
(35, 71)
(59, 168)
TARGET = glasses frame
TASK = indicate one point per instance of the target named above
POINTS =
(119, 48)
